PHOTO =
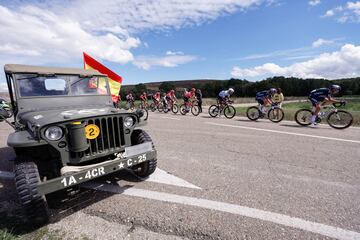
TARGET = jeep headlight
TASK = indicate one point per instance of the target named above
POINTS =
(53, 133)
(128, 122)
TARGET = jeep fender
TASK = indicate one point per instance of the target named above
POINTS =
(23, 139)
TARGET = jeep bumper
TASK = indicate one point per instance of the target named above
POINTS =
(134, 155)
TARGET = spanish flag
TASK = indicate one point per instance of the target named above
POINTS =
(115, 80)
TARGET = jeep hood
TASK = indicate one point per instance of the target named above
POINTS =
(45, 117)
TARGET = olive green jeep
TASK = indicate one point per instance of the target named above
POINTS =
(66, 132)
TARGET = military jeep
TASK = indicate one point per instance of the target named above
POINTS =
(66, 132)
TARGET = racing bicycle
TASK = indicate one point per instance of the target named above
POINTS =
(171, 105)
(226, 108)
(338, 119)
(274, 113)
(191, 106)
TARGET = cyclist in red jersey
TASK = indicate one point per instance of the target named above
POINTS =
(188, 95)
(143, 98)
(170, 98)
(156, 97)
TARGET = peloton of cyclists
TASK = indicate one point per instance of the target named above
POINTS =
(322, 96)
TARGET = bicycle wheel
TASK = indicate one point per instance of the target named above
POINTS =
(214, 110)
(229, 111)
(166, 108)
(276, 115)
(195, 110)
(303, 117)
(175, 108)
(253, 113)
(183, 109)
(152, 107)
(160, 107)
(340, 119)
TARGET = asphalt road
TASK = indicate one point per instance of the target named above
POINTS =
(222, 179)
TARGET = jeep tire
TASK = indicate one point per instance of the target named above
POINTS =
(144, 169)
(34, 205)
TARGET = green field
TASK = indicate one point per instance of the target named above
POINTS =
(353, 106)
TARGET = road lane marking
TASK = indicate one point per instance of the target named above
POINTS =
(171, 118)
(319, 228)
(161, 176)
(283, 132)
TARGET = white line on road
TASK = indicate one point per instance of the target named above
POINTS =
(171, 118)
(283, 132)
(319, 228)
(161, 176)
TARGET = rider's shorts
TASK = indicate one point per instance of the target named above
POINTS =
(315, 101)
(186, 99)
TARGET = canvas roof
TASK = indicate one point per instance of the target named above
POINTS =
(18, 68)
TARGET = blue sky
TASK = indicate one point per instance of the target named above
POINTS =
(146, 41)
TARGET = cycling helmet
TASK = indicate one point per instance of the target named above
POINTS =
(193, 89)
(273, 90)
(335, 88)
(172, 91)
(231, 90)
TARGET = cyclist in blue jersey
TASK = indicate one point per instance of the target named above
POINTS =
(225, 95)
(322, 96)
(264, 98)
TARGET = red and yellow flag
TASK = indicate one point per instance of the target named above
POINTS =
(115, 80)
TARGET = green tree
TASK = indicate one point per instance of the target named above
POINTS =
(166, 86)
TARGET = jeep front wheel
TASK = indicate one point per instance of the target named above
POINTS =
(144, 169)
(26, 180)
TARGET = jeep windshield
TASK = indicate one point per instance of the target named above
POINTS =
(34, 85)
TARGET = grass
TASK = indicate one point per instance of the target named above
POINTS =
(353, 106)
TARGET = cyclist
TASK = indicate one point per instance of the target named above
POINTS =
(278, 97)
(170, 98)
(156, 97)
(225, 95)
(143, 98)
(130, 100)
(187, 96)
(264, 98)
(322, 96)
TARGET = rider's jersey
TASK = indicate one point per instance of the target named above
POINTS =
(263, 94)
(143, 97)
(189, 94)
(170, 95)
(320, 94)
(224, 94)
(156, 96)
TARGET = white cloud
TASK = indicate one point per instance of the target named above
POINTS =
(320, 42)
(137, 15)
(339, 64)
(171, 59)
(53, 32)
(314, 2)
(350, 12)
(40, 36)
